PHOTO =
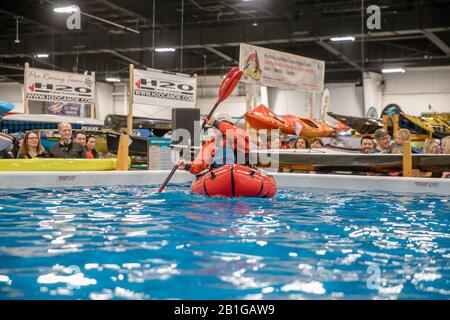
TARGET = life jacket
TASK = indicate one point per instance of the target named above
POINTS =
(223, 154)
(232, 147)
(238, 138)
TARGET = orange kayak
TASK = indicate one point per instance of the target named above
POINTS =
(262, 117)
(235, 180)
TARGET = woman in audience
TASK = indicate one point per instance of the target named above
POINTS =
(301, 143)
(316, 143)
(31, 147)
(91, 152)
(431, 146)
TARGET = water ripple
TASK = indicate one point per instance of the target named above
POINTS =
(134, 243)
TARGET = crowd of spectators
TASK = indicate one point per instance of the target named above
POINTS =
(29, 146)
(381, 143)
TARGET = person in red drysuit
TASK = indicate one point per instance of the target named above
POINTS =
(230, 145)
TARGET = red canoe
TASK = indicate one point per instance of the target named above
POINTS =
(235, 180)
(262, 117)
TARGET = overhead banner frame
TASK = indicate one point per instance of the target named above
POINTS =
(267, 67)
(56, 86)
(161, 88)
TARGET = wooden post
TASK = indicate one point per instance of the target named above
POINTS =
(122, 150)
(122, 153)
(407, 159)
(26, 108)
(385, 122)
(130, 102)
(395, 118)
(93, 105)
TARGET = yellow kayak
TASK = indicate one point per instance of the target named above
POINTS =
(50, 164)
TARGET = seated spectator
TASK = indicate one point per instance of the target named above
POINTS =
(291, 140)
(301, 143)
(66, 148)
(445, 143)
(402, 135)
(31, 147)
(285, 144)
(80, 137)
(367, 145)
(316, 143)
(17, 144)
(432, 146)
(383, 139)
(91, 152)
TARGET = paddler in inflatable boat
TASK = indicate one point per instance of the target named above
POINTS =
(224, 167)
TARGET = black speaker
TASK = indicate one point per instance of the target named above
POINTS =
(186, 126)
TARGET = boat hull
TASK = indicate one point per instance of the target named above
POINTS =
(235, 181)
(159, 126)
(50, 164)
(138, 146)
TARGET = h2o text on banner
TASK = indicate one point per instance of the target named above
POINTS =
(48, 85)
(154, 87)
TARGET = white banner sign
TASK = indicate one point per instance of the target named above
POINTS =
(164, 89)
(48, 85)
(273, 68)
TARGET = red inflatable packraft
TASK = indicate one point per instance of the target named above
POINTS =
(235, 180)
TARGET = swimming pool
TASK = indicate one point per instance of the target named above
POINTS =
(132, 243)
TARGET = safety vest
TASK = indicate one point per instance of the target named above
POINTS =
(223, 155)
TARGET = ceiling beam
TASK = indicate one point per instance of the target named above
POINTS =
(437, 41)
(117, 7)
(340, 55)
(10, 66)
(267, 33)
(29, 20)
(222, 55)
(128, 59)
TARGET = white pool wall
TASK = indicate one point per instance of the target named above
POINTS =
(61, 179)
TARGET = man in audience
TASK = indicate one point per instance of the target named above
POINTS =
(80, 137)
(66, 148)
(383, 139)
(367, 145)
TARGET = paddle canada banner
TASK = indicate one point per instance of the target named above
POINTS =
(55, 86)
(154, 87)
(278, 69)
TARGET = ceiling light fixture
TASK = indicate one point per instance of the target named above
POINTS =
(68, 9)
(41, 55)
(337, 39)
(17, 30)
(112, 79)
(393, 70)
(165, 50)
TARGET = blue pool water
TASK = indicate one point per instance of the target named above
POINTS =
(132, 243)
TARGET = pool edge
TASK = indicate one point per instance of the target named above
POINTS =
(65, 179)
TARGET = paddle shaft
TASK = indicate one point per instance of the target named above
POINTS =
(175, 167)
